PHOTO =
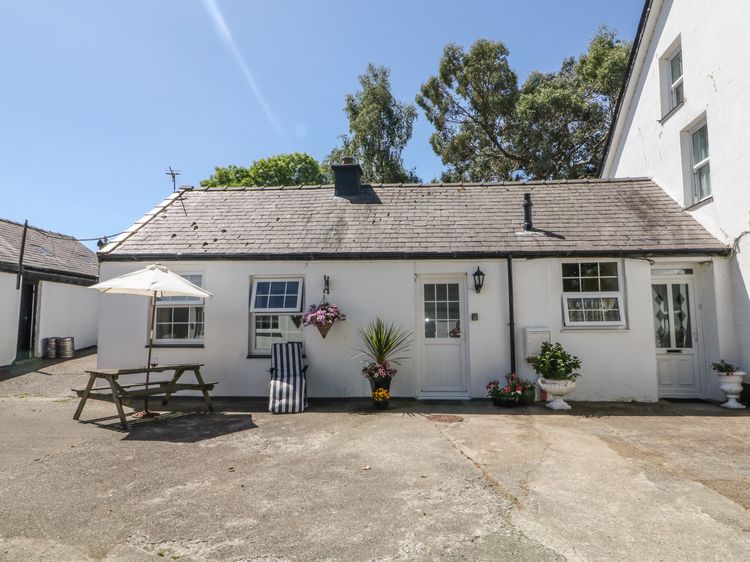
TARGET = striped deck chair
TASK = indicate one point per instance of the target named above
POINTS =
(288, 386)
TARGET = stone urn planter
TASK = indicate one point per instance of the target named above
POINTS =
(557, 389)
(731, 386)
(730, 383)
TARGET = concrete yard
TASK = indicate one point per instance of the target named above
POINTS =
(341, 482)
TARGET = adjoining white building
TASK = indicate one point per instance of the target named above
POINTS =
(48, 297)
(579, 271)
(684, 121)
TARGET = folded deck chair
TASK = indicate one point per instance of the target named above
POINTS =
(288, 388)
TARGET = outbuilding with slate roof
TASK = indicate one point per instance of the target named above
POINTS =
(44, 277)
(481, 273)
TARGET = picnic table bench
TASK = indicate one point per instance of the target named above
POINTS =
(135, 390)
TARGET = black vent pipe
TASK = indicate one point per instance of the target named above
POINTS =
(527, 204)
(511, 315)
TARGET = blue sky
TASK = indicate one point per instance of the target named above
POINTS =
(99, 97)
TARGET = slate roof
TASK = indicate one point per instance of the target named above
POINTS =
(587, 217)
(45, 251)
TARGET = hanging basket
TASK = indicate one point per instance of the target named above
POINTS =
(324, 329)
(297, 320)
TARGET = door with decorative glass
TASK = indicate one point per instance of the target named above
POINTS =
(442, 337)
(675, 334)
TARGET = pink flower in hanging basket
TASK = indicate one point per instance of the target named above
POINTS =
(323, 314)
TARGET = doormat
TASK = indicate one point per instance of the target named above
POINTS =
(446, 418)
(687, 400)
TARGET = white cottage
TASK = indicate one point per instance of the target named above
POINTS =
(682, 120)
(48, 297)
(576, 268)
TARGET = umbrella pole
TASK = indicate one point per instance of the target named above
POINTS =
(150, 348)
(145, 413)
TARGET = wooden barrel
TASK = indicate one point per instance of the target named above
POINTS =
(49, 348)
(65, 347)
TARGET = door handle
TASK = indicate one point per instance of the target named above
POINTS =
(674, 351)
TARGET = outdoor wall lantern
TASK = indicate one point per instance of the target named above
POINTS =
(478, 276)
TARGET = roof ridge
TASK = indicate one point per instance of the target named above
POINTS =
(42, 230)
(634, 179)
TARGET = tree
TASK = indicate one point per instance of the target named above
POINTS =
(283, 169)
(554, 126)
(379, 128)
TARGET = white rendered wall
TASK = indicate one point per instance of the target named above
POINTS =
(9, 302)
(67, 310)
(619, 364)
(716, 54)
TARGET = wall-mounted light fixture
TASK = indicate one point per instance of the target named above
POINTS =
(478, 276)
(326, 285)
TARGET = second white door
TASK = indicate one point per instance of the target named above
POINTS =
(443, 336)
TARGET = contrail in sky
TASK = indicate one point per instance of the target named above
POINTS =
(226, 37)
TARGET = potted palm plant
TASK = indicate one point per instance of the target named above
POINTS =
(558, 373)
(730, 383)
(382, 343)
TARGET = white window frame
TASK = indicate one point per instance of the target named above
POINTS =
(297, 309)
(184, 302)
(674, 83)
(253, 312)
(696, 166)
(618, 295)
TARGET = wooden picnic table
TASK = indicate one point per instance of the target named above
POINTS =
(120, 391)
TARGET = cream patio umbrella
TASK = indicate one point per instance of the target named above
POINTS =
(154, 281)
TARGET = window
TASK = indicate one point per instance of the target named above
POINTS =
(700, 163)
(275, 313)
(276, 295)
(671, 77)
(676, 88)
(442, 310)
(180, 319)
(591, 294)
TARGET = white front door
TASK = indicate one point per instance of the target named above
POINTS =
(442, 337)
(676, 337)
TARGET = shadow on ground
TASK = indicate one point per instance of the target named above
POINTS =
(363, 406)
(178, 427)
(38, 365)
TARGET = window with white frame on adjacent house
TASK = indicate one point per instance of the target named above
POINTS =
(275, 313)
(676, 88)
(701, 167)
(592, 294)
(180, 319)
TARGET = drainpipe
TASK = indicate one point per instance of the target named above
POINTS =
(20, 255)
(511, 321)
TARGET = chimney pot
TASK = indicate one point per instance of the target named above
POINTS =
(347, 177)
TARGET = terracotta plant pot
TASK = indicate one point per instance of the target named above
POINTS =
(731, 385)
(557, 389)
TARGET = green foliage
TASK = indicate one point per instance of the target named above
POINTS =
(471, 103)
(553, 126)
(379, 128)
(723, 367)
(382, 342)
(555, 363)
(283, 169)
